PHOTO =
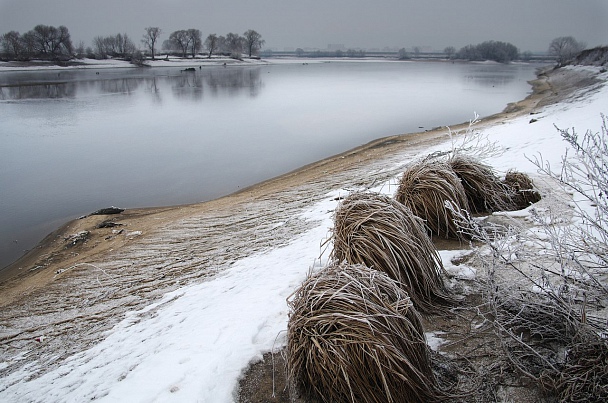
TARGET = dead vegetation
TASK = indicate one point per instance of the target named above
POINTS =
(523, 193)
(484, 190)
(424, 188)
(546, 289)
(354, 335)
(380, 233)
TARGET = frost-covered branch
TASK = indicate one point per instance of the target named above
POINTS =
(546, 286)
(473, 142)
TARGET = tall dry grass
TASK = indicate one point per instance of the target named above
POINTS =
(523, 193)
(381, 233)
(484, 190)
(354, 336)
(425, 187)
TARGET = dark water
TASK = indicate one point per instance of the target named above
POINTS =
(76, 141)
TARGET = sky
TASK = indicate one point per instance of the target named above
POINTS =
(528, 24)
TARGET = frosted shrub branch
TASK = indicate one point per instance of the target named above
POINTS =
(473, 142)
(546, 286)
(585, 174)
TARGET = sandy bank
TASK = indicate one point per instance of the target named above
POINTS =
(83, 278)
(62, 249)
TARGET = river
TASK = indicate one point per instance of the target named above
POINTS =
(74, 141)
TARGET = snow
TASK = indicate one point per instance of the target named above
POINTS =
(459, 271)
(162, 61)
(195, 343)
(86, 64)
(434, 340)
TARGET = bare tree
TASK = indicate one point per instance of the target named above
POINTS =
(168, 46)
(235, 44)
(125, 45)
(253, 41)
(12, 44)
(181, 39)
(119, 45)
(222, 44)
(564, 48)
(469, 52)
(49, 41)
(150, 37)
(450, 51)
(196, 41)
(80, 50)
(99, 44)
(502, 52)
(211, 44)
(29, 43)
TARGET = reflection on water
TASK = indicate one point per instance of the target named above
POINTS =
(78, 140)
(121, 86)
(43, 91)
(494, 75)
(184, 84)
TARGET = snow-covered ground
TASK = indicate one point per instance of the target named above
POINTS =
(195, 343)
(161, 61)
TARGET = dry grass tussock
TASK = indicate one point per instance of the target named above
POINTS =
(425, 187)
(381, 233)
(354, 335)
(484, 190)
(522, 189)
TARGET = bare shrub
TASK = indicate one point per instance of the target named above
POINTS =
(354, 336)
(546, 287)
(378, 232)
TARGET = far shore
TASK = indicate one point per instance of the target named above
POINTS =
(40, 266)
(86, 63)
(203, 61)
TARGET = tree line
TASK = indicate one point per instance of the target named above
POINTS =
(52, 43)
(502, 52)
(350, 53)
(233, 45)
(562, 49)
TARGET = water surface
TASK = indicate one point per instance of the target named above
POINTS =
(78, 140)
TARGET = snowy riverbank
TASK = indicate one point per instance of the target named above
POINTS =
(179, 303)
(163, 61)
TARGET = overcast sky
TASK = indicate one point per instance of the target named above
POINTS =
(528, 24)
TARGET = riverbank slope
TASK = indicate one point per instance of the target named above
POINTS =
(69, 304)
